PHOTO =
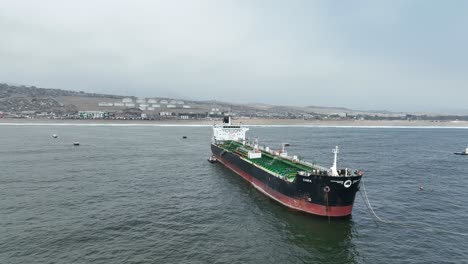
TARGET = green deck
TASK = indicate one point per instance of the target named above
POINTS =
(278, 165)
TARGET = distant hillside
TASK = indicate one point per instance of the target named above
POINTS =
(20, 98)
(24, 91)
(323, 108)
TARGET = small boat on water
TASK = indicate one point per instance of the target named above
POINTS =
(55, 136)
(76, 143)
(212, 159)
(462, 153)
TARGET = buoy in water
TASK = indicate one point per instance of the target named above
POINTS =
(184, 137)
(55, 136)
(76, 143)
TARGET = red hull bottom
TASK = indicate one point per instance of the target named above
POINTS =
(301, 205)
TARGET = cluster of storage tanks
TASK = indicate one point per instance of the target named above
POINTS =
(146, 104)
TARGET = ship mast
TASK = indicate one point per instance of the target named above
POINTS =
(284, 147)
(334, 170)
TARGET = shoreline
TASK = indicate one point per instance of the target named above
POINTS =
(244, 121)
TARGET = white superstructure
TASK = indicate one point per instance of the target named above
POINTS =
(227, 131)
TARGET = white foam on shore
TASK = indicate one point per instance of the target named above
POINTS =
(247, 125)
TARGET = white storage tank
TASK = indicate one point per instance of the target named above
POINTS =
(141, 100)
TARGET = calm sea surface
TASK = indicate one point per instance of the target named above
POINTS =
(145, 195)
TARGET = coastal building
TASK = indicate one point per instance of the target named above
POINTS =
(152, 101)
(150, 108)
(141, 100)
(191, 115)
(186, 106)
(171, 106)
(163, 102)
(173, 102)
(144, 105)
(93, 114)
(44, 114)
(129, 104)
(156, 106)
(127, 100)
(119, 104)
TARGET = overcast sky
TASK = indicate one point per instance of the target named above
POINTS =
(395, 55)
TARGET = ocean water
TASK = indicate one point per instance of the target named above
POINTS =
(145, 195)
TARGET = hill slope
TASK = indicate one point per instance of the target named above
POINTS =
(22, 98)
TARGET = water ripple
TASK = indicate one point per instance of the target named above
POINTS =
(143, 195)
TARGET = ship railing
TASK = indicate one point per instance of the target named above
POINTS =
(314, 166)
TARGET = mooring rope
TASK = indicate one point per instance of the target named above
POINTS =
(369, 206)
(425, 226)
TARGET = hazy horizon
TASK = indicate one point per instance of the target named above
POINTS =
(364, 55)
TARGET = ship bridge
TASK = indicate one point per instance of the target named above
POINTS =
(228, 132)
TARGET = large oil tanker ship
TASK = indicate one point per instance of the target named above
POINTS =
(294, 183)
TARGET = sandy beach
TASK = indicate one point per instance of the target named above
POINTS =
(244, 121)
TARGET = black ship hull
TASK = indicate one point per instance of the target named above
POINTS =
(315, 194)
